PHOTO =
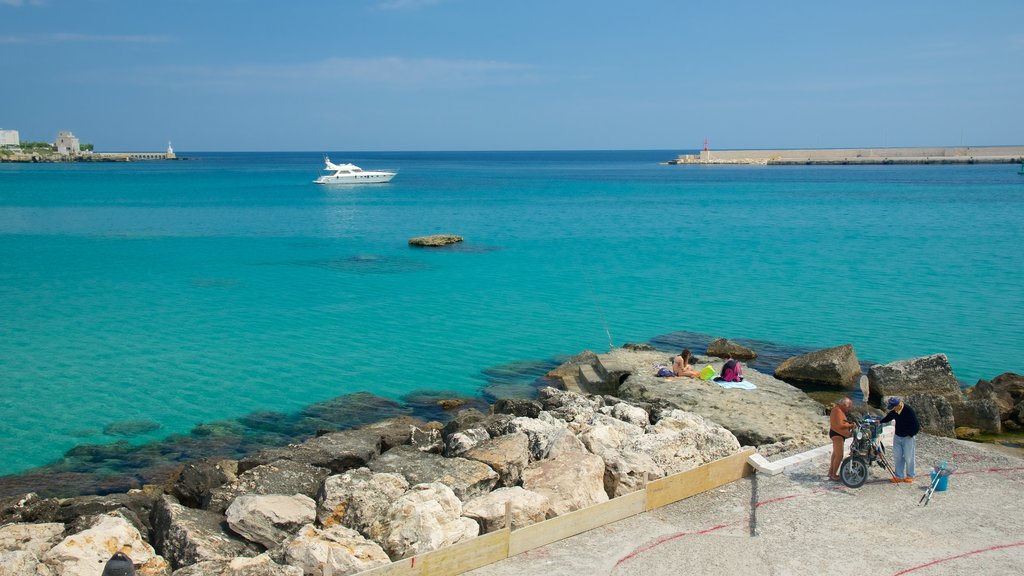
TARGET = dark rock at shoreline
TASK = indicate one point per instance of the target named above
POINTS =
(515, 407)
(836, 366)
(186, 536)
(335, 451)
(722, 348)
(278, 477)
(199, 477)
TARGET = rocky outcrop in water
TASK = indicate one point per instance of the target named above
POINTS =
(435, 240)
(836, 367)
(723, 348)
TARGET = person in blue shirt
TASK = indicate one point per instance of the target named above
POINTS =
(903, 448)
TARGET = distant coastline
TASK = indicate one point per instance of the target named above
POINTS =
(36, 156)
(790, 157)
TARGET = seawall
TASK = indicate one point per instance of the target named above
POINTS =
(929, 155)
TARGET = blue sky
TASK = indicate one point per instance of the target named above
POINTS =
(524, 75)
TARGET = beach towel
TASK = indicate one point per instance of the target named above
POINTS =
(742, 384)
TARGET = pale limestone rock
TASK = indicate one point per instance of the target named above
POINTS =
(489, 511)
(85, 553)
(542, 432)
(261, 565)
(22, 563)
(631, 414)
(333, 552)
(269, 519)
(359, 499)
(34, 538)
(427, 517)
(507, 455)
(570, 482)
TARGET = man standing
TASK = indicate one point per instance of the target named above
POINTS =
(839, 431)
(907, 426)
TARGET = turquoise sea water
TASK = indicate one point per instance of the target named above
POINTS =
(171, 294)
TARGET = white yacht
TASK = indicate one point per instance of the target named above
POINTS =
(351, 174)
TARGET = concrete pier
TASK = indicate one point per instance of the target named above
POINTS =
(933, 155)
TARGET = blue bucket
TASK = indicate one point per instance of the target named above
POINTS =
(943, 482)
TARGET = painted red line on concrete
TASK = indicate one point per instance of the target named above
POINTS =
(958, 556)
(669, 538)
(813, 492)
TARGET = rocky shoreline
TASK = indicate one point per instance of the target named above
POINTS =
(342, 502)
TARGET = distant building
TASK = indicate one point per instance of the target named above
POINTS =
(170, 152)
(67, 143)
(9, 139)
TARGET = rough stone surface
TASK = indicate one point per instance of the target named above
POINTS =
(279, 477)
(336, 451)
(629, 413)
(185, 536)
(775, 413)
(457, 444)
(199, 477)
(467, 478)
(435, 240)
(682, 440)
(427, 517)
(333, 552)
(928, 375)
(22, 563)
(982, 414)
(85, 553)
(934, 413)
(570, 481)
(489, 510)
(541, 432)
(836, 366)
(518, 407)
(395, 431)
(269, 519)
(34, 538)
(359, 499)
(723, 348)
(261, 565)
(507, 455)
(571, 366)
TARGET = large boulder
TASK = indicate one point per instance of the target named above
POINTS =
(626, 472)
(333, 552)
(1006, 390)
(934, 413)
(34, 538)
(507, 455)
(833, 366)
(427, 517)
(518, 407)
(83, 554)
(680, 440)
(628, 413)
(541, 432)
(359, 499)
(336, 451)
(981, 413)
(278, 477)
(22, 563)
(928, 375)
(261, 565)
(569, 406)
(186, 535)
(467, 478)
(134, 505)
(489, 510)
(197, 478)
(269, 519)
(722, 348)
(570, 481)
(396, 431)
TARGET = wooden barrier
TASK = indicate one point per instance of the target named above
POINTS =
(573, 523)
(677, 487)
(490, 548)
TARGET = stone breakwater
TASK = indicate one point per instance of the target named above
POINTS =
(933, 155)
(347, 501)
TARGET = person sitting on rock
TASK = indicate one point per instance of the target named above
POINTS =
(681, 365)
